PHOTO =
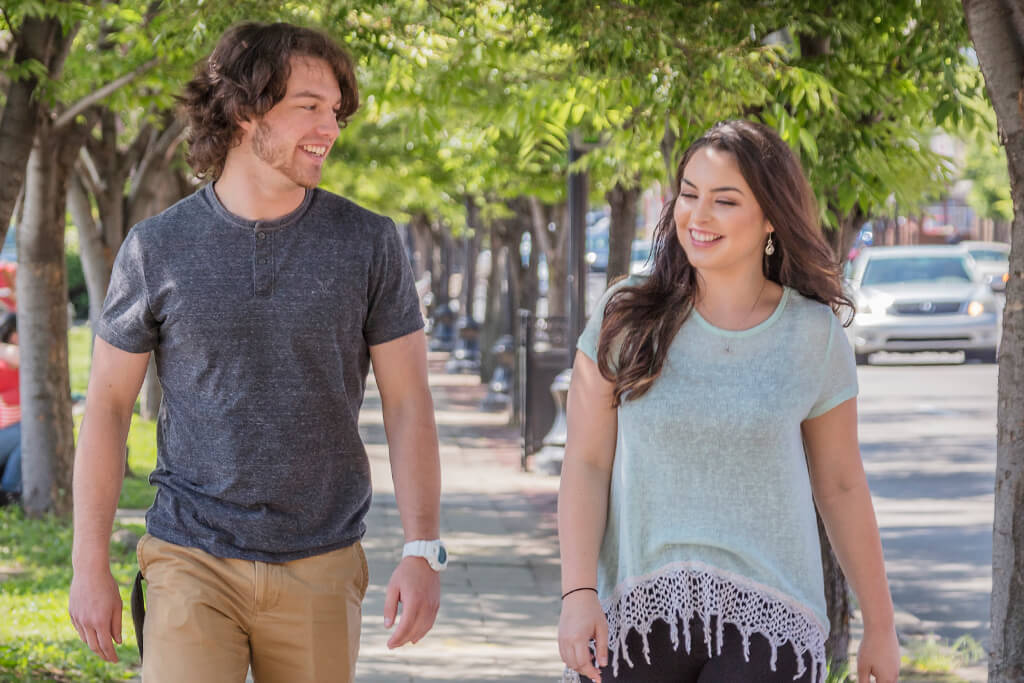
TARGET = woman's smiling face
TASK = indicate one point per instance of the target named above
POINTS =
(718, 221)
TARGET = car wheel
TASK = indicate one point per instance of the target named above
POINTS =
(862, 358)
(982, 356)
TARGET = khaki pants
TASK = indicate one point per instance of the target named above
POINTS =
(208, 618)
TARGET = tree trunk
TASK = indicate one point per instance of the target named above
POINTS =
(472, 246)
(668, 150)
(837, 591)
(41, 39)
(621, 230)
(530, 279)
(841, 239)
(499, 318)
(555, 244)
(494, 314)
(441, 284)
(152, 393)
(837, 602)
(997, 31)
(97, 260)
(423, 246)
(46, 434)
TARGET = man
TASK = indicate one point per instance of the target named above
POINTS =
(265, 300)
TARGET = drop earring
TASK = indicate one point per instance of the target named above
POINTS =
(769, 248)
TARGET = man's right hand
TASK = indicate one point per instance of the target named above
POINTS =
(95, 609)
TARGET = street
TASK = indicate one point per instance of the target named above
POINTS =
(928, 439)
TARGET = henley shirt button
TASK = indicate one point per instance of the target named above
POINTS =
(262, 235)
(263, 261)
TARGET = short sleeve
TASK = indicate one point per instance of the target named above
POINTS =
(839, 380)
(589, 338)
(127, 321)
(393, 308)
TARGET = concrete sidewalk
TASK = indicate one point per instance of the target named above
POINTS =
(500, 594)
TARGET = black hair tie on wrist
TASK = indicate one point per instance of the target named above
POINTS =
(581, 588)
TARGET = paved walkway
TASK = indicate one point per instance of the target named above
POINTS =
(499, 608)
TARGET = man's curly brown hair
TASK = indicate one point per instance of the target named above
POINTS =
(244, 77)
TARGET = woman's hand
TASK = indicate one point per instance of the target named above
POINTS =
(878, 656)
(583, 620)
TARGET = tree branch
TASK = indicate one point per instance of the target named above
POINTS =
(80, 206)
(89, 174)
(140, 145)
(92, 98)
(10, 24)
(171, 137)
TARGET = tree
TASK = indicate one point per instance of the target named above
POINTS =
(42, 46)
(115, 44)
(997, 31)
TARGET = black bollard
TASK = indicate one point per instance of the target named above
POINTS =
(549, 459)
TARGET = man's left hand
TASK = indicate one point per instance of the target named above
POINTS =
(418, 588)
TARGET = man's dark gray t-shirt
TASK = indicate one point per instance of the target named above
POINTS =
(262, 332)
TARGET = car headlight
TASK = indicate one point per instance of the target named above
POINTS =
(975, 308)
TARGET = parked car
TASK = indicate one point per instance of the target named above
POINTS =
(992, 260)
(921, 298)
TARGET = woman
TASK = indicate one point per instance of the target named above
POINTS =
(712, 406)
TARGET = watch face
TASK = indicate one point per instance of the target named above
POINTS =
(442, 555)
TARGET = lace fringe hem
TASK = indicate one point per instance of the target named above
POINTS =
(681, 591)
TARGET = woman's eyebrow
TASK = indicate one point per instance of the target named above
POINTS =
(724, 188)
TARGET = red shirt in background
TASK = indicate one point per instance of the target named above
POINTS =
(10, 396)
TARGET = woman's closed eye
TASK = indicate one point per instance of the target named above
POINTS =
(723, 202)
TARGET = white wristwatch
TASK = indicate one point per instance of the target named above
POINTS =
(433, 552)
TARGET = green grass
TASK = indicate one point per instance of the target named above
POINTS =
(79, 357)
(37, 641)
(931, 656)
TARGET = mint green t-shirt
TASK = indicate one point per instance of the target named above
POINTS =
(710, 510)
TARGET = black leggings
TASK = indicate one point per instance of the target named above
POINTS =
(675, 665)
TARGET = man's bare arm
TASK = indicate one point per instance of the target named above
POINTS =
(400, 367)
(95, 603)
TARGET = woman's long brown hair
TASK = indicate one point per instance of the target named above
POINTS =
(640, 321)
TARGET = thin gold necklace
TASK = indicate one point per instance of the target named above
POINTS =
(743, 323)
